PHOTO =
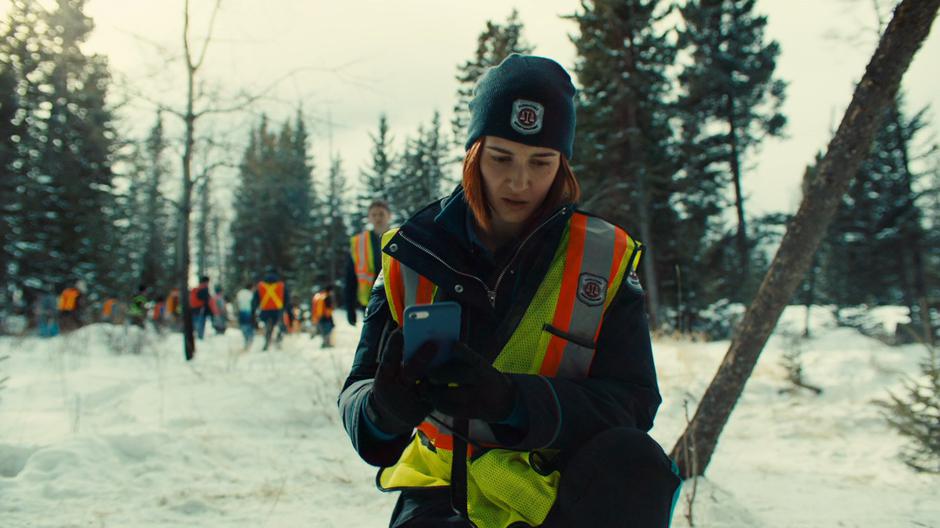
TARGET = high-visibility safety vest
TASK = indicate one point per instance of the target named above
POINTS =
(555, 338)
(320, 309)
(173, 302)
(68, 299)
(108, 308)
(360, 246)
(272, 295)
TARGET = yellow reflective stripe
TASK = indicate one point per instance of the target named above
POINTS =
(270, 294)
(392, 280)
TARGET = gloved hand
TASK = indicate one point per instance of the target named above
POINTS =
(351, 315)
(395, 406)
(468, 386)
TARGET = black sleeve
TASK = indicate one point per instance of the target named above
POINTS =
(350, 294)
(377, 324)
(621, 389)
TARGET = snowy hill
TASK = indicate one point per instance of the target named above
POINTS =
(93, 437)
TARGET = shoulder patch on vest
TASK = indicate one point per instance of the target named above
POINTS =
(592, 290)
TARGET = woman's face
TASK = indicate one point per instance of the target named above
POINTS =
(516, 178)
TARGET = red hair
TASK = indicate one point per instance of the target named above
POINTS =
(564, 189)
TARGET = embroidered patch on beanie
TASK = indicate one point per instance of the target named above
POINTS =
(527, 116)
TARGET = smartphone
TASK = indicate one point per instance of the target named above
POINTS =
(438, 322)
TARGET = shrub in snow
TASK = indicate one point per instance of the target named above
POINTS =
(915, 414)
(792, 362)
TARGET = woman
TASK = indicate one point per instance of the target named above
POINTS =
(539, 418)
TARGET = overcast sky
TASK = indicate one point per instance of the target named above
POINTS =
(400, 58)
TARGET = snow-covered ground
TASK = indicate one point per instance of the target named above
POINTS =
(93, 435)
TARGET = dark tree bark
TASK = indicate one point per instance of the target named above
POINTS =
(906, 32)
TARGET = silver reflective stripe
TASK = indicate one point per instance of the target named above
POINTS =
(441, 418)
(410, 280)
(598, 256)
(480, 431)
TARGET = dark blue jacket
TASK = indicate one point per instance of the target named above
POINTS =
(621, 389)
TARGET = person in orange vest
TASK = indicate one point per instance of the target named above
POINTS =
(322, 315)
(109, 310)
(272, 299)
(70, 305)
(173, 307)
(539, 413)
(202, 306)
(158, 313)
(365, 259)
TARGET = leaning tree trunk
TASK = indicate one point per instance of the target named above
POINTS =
(908, 29)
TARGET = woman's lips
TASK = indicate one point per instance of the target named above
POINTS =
(516, 204)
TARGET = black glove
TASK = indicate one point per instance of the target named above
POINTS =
(351, 315)
(395, 406)
(468, 386)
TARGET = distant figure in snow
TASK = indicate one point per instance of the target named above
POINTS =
(271, 298)
(246, 316)
(322, 315)
(365, 259)
(220, 314)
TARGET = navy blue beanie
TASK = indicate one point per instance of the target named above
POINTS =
(526, 99)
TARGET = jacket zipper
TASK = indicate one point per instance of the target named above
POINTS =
(490, 293)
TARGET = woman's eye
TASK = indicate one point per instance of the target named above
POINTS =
(540, 163)
(502, 159)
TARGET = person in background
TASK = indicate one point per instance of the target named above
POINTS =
(322, 315)
(137, 308)
(70, 306)
(158, 315)
(46, 309)
(246, 316)
(173, 308)
(201, 305)
(539, 414)
(271, 298)
(365, 259)
(220, 312)
(109, 310)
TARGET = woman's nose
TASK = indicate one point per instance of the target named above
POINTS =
(518, 179)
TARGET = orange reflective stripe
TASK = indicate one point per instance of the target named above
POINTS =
(439, 439)
(566, 297)
(397, 288)
(425, 291)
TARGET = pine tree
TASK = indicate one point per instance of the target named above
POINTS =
(495, 43)
(874, 252)
(915, 414)
(375, 180)
(65, 147)
(337, 236)
(623, 152)
(300, 167)
(10, 168)
(156, 266)
(420, 176)
(731, 100)
(273, 223)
